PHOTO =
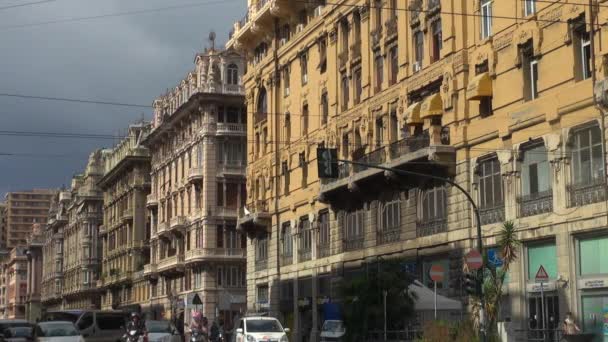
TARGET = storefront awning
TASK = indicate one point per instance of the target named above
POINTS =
(412, 114)
(480, 86)
(431, 106)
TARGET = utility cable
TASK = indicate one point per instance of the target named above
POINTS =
(26, 4)
(63, 99)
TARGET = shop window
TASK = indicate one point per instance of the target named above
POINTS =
(542, 254)
(593, 256)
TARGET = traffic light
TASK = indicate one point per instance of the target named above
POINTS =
(327, 162)
(470, 284)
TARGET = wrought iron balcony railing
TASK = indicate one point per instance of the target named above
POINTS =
(430, 227)
(583, 194)
(354, 243)
(490, 215)
(535, 204)
(388, 236)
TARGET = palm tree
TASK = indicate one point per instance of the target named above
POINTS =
(494, 278)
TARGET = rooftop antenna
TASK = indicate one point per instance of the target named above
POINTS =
(212, 40)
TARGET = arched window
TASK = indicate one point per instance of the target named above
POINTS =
(262, 105)
(432, 211)
(233, 74)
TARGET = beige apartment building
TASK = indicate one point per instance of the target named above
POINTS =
(197, 143)
(125, 234)
(81, 250)
(52, 251)
(15, 273)
(24, 208)
(498, 96)
(2, 221)
(33, 253)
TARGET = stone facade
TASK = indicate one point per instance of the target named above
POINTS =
(33, 307)
(15, 271)
(125, 233)
(197, 144)
(473, 98)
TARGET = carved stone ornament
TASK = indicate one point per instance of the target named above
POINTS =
(524, 33)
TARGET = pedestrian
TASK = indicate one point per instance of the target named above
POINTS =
(569, 326)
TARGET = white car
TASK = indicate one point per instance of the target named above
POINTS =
(260, 329)
(58, 331)
(161, 331)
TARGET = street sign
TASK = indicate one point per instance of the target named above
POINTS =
(494, 257)
(474, 260)
(327, 162)
(196, 300)
(541, 274)
(436, 273)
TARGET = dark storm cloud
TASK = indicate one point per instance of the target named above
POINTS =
(129, 59)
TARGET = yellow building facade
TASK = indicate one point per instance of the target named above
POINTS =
(125, 234)
(496, 95)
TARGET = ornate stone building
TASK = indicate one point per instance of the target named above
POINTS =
(81, 250)
(52, 251)
(504, 107)
(198, 146)
(125, 233)
(35, 242)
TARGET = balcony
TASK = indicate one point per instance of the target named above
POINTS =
(150, 270)
(234, 129)
(323, 250)
(195, 174)
(391, 28)
(151, 200)
(304, 255)
(215, 254)
(535, 204)
(286, 260)
(172, 264)
(225, 213)
(65, 196)
(178, 223)
(414, 153)
(388, 236)
(255, 219)
(261, 265)
(431, 227)
(127, 215)
(492, 214)
(353, 243)
(583, 194)
(162, 228)
(233, 168)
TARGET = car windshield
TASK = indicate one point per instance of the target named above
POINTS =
(333, 326)
(18, 332)
(57, 329)
(263, 326)
(158, 327)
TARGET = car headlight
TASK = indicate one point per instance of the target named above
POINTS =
(284, 338)
(250, 338)
(132, 332)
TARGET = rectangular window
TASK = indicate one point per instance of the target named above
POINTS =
(536, 173)
(219, 237)
(587, 164)
(394, 59)
(286, 240)
(305, 235)
(436, 40)
(389, 215)
(486, 18)
(324, 108)
(379, 66)
(304, 68)
(582, 49)
(324, 232)
(262, 294)
(354, 225)
(220, 194)
(322, 56)
(286, 76)
(345, 91)
(379, 132)
(490, 184)
(304, 166)
(261, 251)
(304, 121)
(357, 85)
(530, 72)
(593, 253)
(220, 276)
(485, 106)
(542, 254)
(533, 79)
(285, 172)
(529, 7)
(418, 50)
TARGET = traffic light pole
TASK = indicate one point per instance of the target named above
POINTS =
(480, 275)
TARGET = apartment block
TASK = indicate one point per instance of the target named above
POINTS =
(197, 144)
(52, 251)
(500, 101)
(125, 234)
(15, 273)
(81, 249)
(24, 208)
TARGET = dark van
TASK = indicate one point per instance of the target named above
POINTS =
(94, 325)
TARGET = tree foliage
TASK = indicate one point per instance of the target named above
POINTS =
(363, 299)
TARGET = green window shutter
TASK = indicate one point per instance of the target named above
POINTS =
(545, 255)
(593, 256)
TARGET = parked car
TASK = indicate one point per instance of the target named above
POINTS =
(258, 328)
(17, 334)
(95, 326)
(333, 330)
(57, 331)
(162, 331)
(9, 323)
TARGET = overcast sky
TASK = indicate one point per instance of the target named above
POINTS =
(128, 59)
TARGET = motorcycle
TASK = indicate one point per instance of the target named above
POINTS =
(198, 336)
(133, 335)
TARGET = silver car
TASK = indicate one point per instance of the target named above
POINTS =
(58, 331)
(162, 331)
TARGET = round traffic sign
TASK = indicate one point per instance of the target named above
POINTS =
(474, 260)
(436, 273)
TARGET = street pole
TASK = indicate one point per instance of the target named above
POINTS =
(482, 329)
(385, 318)
(435, 297)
